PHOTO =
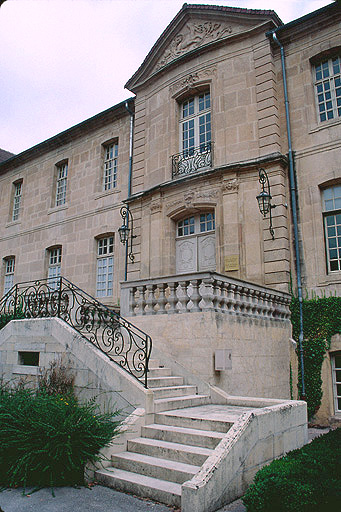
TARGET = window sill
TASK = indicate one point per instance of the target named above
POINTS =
(26, 370)
(13, 223)
(106, 193)
(56, 209)
(325, 124)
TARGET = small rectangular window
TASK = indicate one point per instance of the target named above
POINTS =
(28, 358)
(328, 88)
(61, 183)
(9, 274)
(105, 267)
(110, 166)
(17, 200)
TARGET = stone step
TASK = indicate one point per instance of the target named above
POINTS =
(140, 485)
(173, 391)
(195, 455)
(175, 419)
(159, 372)
(193, 437)
(154, 363)
(159, 382)
(155, 467)
(167, 404)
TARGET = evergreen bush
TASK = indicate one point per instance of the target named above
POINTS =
(305, 480)
(46, 439)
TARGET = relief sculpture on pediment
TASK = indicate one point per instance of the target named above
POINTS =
(193, 36)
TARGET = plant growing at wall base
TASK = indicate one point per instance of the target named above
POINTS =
(321, 320)
(46, 440)
(305, 480)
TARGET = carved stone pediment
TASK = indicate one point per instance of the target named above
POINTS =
(192, 36)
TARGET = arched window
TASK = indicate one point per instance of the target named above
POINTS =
(195, 243)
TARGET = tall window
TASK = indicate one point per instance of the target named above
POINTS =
(55, 260)
(195, 123)
(9, 273)
(110, 166)
(328, 88)
(17, 200)
(105, 267)
(195, 243)
(61, 184)
(332, 226)
(336, 369)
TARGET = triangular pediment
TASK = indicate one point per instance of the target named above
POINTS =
(195, 28)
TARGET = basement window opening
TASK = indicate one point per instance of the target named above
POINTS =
(28, 358)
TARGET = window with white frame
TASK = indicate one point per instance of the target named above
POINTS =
(54, 266)
(105, 267)
(17, 200)
(328, 88)
(195, 123)
(332, 225)
(110, 166)
(9, 273)
(336, 369)
(61, 183)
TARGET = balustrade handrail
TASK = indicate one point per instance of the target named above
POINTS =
(192, 160)
(202, 291)
(124, 343)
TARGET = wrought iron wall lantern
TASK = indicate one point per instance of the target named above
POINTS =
(264, 199)
(126, 232)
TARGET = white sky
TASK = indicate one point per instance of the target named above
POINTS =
(63, 61)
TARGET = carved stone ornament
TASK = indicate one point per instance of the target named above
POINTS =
(210, 194)
(231, 185)
(190, 81)
(188, 196)
(155, 207)
(193, 36)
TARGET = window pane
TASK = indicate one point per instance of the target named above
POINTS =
(337, 360)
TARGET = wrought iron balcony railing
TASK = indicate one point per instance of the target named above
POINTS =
(192, 160)
(120, 340)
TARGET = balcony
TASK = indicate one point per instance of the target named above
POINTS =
(192, 160)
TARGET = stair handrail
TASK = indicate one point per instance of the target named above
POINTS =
(124, 343)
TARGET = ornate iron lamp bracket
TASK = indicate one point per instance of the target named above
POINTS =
(264, 199)
(126, 231)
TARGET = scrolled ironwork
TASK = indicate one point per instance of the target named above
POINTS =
(192, 160)
(120, 340)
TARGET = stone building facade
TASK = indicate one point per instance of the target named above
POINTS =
(209, 112)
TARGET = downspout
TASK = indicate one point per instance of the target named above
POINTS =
(294, 212)
(130, 173)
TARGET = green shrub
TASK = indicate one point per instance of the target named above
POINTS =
(305, 480)
(46, 440)
(7, 317)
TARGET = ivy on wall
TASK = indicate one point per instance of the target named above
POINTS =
(321, 320)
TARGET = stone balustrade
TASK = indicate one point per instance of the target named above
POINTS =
(202, 291)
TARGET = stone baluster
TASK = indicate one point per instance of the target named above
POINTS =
(162, 298)
(207, 295)
(217, 295)
(141, 303)
(172, 298)
(195, 297)
(183, 296)
(150, 300)
(254, 302)
(237, 305)
(224, 297)
(132, 301)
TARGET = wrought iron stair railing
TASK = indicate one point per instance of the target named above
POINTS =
(124, 343)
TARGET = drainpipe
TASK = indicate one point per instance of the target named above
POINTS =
(293, 193)
(131, 131)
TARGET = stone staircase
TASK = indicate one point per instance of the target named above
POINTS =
(171, 450)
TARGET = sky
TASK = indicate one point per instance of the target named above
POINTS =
(63, 61)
